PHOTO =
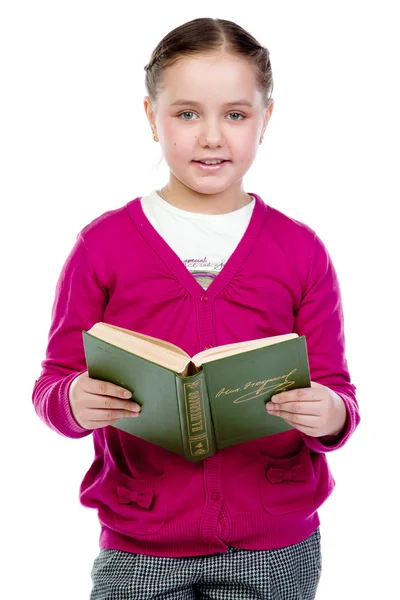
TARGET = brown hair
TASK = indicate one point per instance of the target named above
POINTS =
(202, 36)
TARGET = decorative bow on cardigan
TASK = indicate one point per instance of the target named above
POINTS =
(276, 475)
(143, 498)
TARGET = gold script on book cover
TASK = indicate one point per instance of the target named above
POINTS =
(259, 388)
(196, 425)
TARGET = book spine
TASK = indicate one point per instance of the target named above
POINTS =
(196, 422)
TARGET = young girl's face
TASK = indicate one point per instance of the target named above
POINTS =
(209, 107)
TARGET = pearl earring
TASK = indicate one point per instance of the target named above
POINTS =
(155, 136)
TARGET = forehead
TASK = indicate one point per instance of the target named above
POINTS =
(213, 77)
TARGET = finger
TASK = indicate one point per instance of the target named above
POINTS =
(310, 431)
(303, 394)
(105, 388)
(298, 420)
(315, 384)
(109, 417)
(298, 407)
(108, 403)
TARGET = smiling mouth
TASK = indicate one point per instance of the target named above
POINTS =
(211, 163)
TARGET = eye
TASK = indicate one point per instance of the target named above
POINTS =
(185, 114)
(237, 116)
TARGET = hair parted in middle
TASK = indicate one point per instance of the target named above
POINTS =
(203, 36)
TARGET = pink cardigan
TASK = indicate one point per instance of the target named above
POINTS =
(278, 280)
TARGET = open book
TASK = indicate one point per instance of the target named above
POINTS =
(196, 405)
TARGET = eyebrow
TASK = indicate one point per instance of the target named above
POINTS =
(240, 102)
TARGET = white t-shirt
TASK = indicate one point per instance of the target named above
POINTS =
(203, 242)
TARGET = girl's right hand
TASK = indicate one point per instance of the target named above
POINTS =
(95, 403)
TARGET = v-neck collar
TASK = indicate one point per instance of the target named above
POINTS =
(176, 265)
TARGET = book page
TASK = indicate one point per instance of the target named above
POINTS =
(238, 348)
(158, 351)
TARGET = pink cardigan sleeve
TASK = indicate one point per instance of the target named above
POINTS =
(79, 303)
(320, 318)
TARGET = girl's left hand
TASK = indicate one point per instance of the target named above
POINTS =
(316, 411)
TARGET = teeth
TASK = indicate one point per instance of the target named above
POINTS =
(211, 162)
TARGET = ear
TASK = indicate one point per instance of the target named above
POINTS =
(267, 115)
(149, 111)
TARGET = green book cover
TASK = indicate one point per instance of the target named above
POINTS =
(194, 407)
(239, 387)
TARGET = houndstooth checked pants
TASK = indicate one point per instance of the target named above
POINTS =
(290, 573)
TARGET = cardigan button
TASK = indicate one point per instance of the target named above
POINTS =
(207, 347)
(204, 298)
(214, 497)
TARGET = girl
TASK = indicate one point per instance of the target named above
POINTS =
(200, 263)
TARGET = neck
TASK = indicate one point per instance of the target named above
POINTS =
(185, 198)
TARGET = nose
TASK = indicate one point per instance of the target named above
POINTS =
(211, 135)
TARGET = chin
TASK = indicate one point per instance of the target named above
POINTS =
(209, 188)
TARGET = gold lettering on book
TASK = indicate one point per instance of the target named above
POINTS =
(195, 417)
(259, 388)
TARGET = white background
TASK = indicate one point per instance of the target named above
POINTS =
(75, 142)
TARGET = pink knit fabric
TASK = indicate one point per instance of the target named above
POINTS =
(279, 279)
